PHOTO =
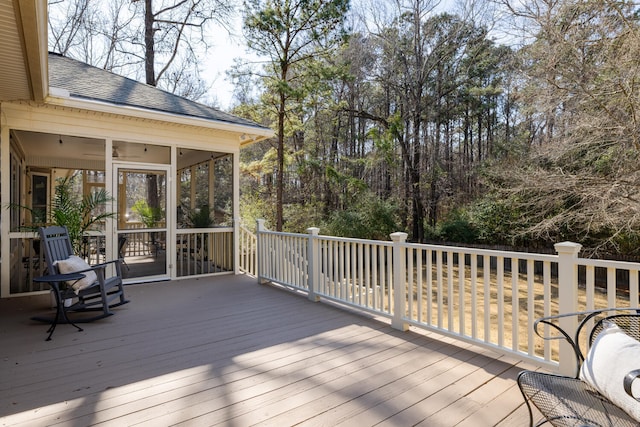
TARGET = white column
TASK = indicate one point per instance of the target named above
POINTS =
(260, 251)
(399, 281)
(236, 207)
(5, 198)
(567, 301)
(111, 187)
(173, 183)
(313, 254)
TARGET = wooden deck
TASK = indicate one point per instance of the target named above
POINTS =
(227, 351)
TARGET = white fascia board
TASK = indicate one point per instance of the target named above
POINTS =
(248, 134)
(33, 27)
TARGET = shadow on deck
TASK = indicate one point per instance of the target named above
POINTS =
(228, 351)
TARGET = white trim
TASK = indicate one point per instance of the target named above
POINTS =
(169, 213)
(172, 221)
(51, 119)
(236, 213)
(256, 133)
(5, 198)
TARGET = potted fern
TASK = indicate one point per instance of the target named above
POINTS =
(150, 216)
(78, 213)
(200, 218)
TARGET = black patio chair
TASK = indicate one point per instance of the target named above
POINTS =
(569, 401)
(122, 245)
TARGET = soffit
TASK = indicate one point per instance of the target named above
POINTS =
(23, 39)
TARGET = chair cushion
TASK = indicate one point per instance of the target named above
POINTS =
(611, 357)
(73, 264)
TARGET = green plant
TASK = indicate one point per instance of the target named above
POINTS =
(366, 218)
(200, 218)
(70, 209)
(457, 227)
(149, 215)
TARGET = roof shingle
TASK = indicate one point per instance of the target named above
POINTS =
(87, 82)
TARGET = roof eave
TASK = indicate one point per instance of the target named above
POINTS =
(247, 134)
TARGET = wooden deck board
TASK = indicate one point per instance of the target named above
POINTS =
(226, 351)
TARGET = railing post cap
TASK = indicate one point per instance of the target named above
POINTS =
(398, 236)
(568, 248)
(313, 231)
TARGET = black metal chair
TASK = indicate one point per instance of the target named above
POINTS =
(100, 293)
(122, 244)
(569, 401)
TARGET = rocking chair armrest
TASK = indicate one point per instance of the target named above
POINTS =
(99, 269)
(104, 265)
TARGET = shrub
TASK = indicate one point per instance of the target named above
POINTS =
(368, 218)
(458, 228)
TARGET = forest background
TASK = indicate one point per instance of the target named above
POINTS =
(491, 122)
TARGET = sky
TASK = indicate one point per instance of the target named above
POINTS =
(220, 59)
(224, 48)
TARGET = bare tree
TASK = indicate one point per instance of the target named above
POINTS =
(158, 41)
(581, 69)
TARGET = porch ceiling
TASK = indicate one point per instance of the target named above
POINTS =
(55, 150)
(46, 147)
(23, 50)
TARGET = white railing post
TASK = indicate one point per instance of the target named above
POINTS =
(313, 263)
(399, 281)
(567, 301)
(236, 245)
(260, 255)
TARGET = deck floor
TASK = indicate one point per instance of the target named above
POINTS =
(227, 351)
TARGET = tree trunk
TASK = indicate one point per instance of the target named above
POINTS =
(149, 46)
(416, 182)
(280, 173)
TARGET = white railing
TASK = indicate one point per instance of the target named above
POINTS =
(206, 251)
(283, 256)
(353, 272)
(198, 252)
(485, 297)
(247, 252)
(482, 296)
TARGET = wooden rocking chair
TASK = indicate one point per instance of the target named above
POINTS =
(96, 292)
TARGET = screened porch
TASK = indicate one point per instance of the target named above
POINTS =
(172, 206)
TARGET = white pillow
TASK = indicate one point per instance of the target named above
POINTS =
(613, 355)
(71, 265)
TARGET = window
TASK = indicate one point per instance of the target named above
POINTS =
(16, 176)
(39, 198)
